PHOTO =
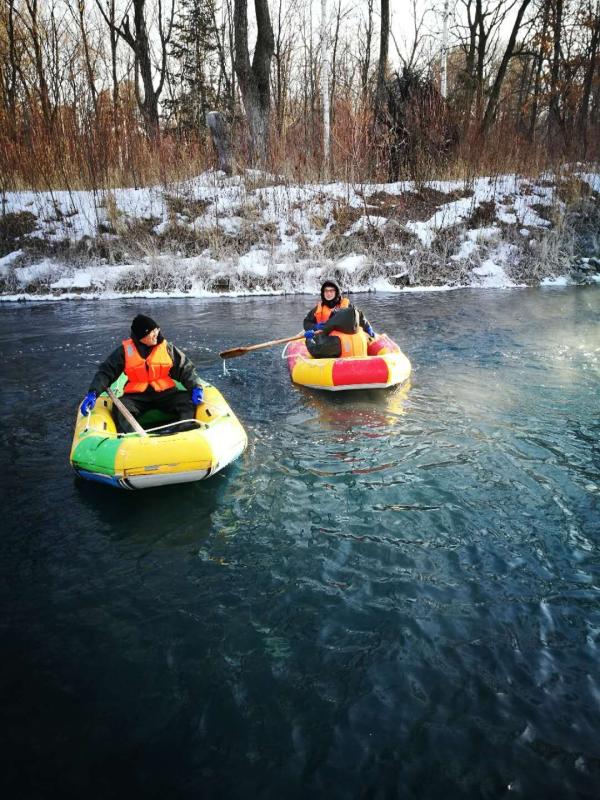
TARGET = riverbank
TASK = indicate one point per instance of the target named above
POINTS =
(254, 234)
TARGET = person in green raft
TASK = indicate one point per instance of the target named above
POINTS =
(152, 365)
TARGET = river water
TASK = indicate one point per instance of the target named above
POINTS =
(390, 595)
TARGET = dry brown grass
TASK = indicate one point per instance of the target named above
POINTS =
(13, 227)
(102, 152)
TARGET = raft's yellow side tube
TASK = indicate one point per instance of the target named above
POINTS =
(98, 452)
(384, 366)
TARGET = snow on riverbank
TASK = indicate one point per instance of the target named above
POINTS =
(216, 234)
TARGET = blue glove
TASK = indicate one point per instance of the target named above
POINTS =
(197, 395)
(370, 331)
(309, 334)
(319, 326)
(89, 401)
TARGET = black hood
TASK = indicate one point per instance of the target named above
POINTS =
(338, 295)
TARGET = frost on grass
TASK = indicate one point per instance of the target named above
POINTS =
(256, 233)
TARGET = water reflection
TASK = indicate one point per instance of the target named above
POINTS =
(169, 516)
(346, 427)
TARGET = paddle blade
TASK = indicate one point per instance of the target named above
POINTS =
(234, 352)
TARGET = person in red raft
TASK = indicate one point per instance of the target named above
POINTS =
(334, 328)
(152, 365)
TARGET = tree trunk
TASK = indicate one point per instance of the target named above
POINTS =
(490, 111)
(149, 104)
(114, 38)
(253, 78)
(589, 77)
(384, 37)
(325, 87)
(223, 74)
(482, 43)
(554, 123)
(32, 7)
(86, 53)
(334, 50)
(469, 72)
(366, 64)
(538, 74)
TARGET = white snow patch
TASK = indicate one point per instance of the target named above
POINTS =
(508, 217)
(527, 215)
(466, 250)
(563, 280)
(6, 261)
(352, 263)
(366, 223)
(257, 262)
(484, 234)
(36, 271)
(491, 273)
(447, 216)
(80, 280)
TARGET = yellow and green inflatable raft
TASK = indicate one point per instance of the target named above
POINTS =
(169, 454)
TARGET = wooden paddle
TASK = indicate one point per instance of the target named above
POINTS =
(241, 351)
(126, 413)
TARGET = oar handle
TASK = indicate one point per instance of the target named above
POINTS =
(126, 413)
(241, 351)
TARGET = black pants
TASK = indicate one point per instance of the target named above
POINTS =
(324, 346)
(171, 401)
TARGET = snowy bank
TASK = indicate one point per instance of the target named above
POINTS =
(255, 235)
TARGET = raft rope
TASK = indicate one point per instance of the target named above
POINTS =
(215, 409)
(301, 356)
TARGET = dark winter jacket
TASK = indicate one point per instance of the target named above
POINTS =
(327, 344)
(182, 370)
(310, 320)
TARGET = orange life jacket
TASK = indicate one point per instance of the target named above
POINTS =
(353, 344)
(153, 370)
(323, 312)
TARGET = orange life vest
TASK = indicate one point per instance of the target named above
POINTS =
(323, 312)
(153, 370)
(353, 344)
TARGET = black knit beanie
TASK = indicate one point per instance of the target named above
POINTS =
(338, 295)
(142, 325)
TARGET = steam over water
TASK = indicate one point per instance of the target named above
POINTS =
(390, 594)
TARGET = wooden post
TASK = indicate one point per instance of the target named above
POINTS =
(218, 130)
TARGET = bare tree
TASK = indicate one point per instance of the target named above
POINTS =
(253, 77)
(365, 56)
(32, 23)
(541, 39)
(226, 77)
(139, 42)
(414, 48)
(10, 68)
(479, 35)
(554, 120)
(591, 17)
(282, 63)
(384, 37)
(494, 96)
(78, 9)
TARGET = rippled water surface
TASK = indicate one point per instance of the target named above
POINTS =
(390, 595)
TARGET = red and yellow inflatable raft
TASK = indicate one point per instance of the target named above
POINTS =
(384, 365)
